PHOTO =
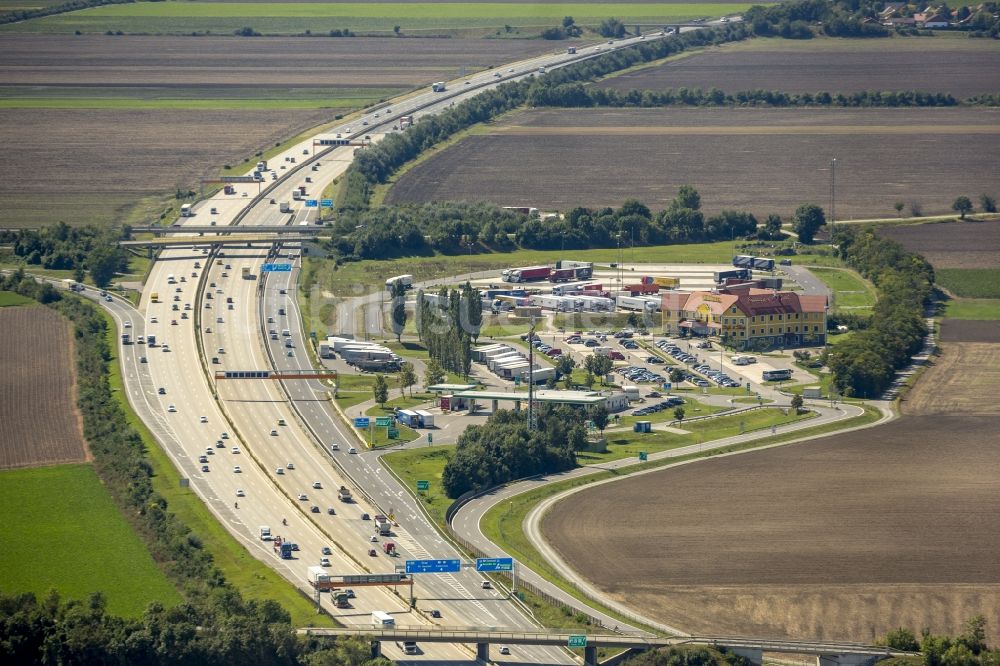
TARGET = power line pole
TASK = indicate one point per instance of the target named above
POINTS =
(531, 374)
(833, 190)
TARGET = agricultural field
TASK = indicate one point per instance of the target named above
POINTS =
(67, 534)
(954, 244)
(758, 160)
(91, 123)
(503, 19)
(958, 66)
(844, 537)
(970, 282)
(39, 423)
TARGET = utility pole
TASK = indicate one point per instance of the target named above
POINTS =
(833, 191)
(531, 374)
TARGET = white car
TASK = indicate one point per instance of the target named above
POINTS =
(352, 450)
(317, 485)
(240, 493)
(171, 408)
(224, 435)
(324, 562)
(303, 497)
(237, 470)
(504, 649)
(280, 470)
(128, 324)
(290, 466)
(274, 433)
(204, 419)
(235, 449)
(154, 320)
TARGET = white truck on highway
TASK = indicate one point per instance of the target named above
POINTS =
(285, 207)
(265, 533)
(383, 619)
(319, 576)
(382, 525)
(438, 87)
(344, 494)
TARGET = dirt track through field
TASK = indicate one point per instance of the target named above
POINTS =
(39, 422)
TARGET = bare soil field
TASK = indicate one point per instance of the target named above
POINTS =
(845, 537)
(961, 67)
(959, 330)
(91, 166)
(759, 160)
(968, 244)
(211, 62)
(39, 423)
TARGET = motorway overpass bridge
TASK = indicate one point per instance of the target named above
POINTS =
(827, 654)
(241, 239)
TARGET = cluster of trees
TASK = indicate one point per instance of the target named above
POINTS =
(504, 449)
(568, 29)
(449, 327)
(579, 95)
(967, 649)
(219, 629)
(794, 20)
(864, 365)
(451, 228)
(62, 247)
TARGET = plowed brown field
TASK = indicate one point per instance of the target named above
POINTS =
(956, 244)
(39, 423)
(759, 160)
(844, 537)
(961, 68)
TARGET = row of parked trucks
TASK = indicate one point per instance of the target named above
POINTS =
(564, 271)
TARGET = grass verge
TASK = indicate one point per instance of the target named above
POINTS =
(75, 540)
(253, 578)
(9, 298)
(850, 290)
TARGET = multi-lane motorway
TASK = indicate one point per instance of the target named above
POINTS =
(230, 437)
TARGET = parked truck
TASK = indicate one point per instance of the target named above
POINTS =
(344, 494)
(667, 282)
(743, 261)
(738, 273)
(641, 289)
(382, 525)
(562, 275)
(763, 264)
(584, 269)
(527, 274)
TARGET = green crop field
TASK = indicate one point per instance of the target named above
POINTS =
(970, 282)
(298, 17)
(65, 533)
(850, 290)
(984, 309)
(9, 298)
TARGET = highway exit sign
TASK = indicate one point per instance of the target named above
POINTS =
(577, 641)
(383, 421)
(423, 485)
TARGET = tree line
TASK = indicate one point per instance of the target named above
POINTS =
(864, 365)
(504, 449)
(213, 624)
(452, 228)
(575, 95)
(448, 327)
(18, 15)
(62, 247)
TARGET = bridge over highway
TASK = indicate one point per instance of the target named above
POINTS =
(263, 229)
(827, 653)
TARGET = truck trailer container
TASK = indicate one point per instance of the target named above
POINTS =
(763, 264)
(245, 273)
(738, 273)
(380, 619)
(382, 525)
(526, 274)
(562, 275)
(405, 280)
(584, 269)
(187, 210)
(344, 494)
(743, 261)
(641, 289)
(438, 87)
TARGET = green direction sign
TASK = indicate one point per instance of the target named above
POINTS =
(577, 641)
(423, 485)
(393, 433)
(383, 421)
(642, 456)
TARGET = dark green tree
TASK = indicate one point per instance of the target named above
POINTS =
(599, 415)
(381, 390)
(962, 205)
(407, 378)
(676, 376)
(807, 221)
(987, 203)
(397, 316)
(679, 414)
(797, 403)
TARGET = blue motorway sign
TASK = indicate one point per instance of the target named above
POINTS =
(326, 203)
(433, 566)
(311, 203)
(276, 268)
(361, 422)
(495, 564)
